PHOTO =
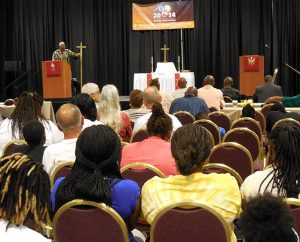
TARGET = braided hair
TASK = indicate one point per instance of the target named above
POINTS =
(286, 164)
(24, 190)
(96, 168)
(28, 108)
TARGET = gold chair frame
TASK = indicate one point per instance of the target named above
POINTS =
(57, 168)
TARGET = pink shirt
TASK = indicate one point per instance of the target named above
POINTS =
(212, 96)
(153, 151)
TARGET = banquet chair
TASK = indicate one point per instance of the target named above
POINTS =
(227, 99)
(295, 209)
(261, 119)
(212, 128)
(212, 109)
(221, 119)
(184, 117)
(10, 146)
(82, 221)
(266, 109)
(189, 221)
(233, 155)
(62, 169)
(249, 123)
(289, 120)
(139, 135)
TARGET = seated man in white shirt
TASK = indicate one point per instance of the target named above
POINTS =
(182, 88)
(87, 108)
(151, 95)
(70, 121)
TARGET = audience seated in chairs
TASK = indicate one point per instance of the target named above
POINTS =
(282, 176)
(70, 121)
(95, 176)
(28, 177)
(267, 218)
(156, 149)
(34, 135)
(87, 108)
(28, 108)
(190, 146)
(180, 92)
(135, 102)
(229, 91)
(111, 115)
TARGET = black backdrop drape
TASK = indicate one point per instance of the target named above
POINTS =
(225, 29)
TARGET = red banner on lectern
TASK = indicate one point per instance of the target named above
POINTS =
(53, 68)
(251, 63)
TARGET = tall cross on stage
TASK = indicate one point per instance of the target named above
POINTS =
(81, 47)
(165, 52)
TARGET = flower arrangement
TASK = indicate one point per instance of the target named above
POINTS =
(247, 101)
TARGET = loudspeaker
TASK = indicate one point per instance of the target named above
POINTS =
(13, 65)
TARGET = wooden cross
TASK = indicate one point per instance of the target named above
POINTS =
(81, 47)
(165, 52)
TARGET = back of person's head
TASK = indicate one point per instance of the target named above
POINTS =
(278, 107)
(25, 189)
(268, 78)
(98, 151)
(155, 82)
(209, 80)
(248, 111)
(151, 95)
(182, 82)
(34, 133)
(284, 144)
(228, 81)
(28, 108)
(201, 115)
(136, 98)
(191, 90)
(91, 89)
(159, 123)
(267, 218)
(109, 108)
(69, 119)
(86, 106)
(190, 147)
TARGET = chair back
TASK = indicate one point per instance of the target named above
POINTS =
(288, 120)
(189, 221)
(233, 155)
(62, 169)
(227, 99)
(10, 146)
(261, 119)
(295, 209)
(140, 172)
(245, 137)
(212, 128)
(249, 123)
(221, 119)
(266, 109)
(221, 169)
(82, 221)
(184, 117)
(212, 109)
(139, 135)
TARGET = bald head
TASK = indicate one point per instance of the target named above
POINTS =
(69, 119)
(192, 90)
(209, 80)
(151, 95)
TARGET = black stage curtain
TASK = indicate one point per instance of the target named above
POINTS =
(225, 29)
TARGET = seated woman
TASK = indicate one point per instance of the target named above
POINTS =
(191, 145)
(282, 176)
(16, 208)
(156, 149)
(95, 176)
(248, 111)
(28, 108)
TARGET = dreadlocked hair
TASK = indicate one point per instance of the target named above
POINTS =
(24, 190)
(96, 167)
(28, 108)
(286, 164)
(159, 123)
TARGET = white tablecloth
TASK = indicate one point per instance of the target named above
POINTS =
(167, 81)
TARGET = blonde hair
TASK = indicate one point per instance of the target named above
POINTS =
(109, 108)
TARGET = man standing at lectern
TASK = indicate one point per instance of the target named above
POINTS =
(64, 54)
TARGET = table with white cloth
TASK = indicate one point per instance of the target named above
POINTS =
(235, 112)
(47, 110)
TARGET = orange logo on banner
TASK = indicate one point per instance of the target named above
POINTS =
(251, 63)
(53, 68)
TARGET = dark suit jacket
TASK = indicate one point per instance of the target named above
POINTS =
(263, 92)
(275, 116)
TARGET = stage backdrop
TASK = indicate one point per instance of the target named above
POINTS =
(224, 30)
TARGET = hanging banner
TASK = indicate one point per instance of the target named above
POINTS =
(163, 15)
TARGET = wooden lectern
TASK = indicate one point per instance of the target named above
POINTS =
(56, 79)
(251, 73)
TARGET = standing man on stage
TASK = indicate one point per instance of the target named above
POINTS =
(64, 54)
